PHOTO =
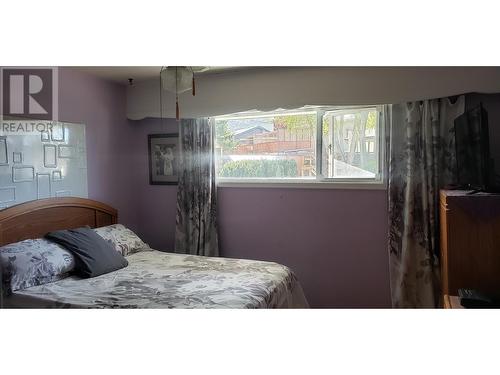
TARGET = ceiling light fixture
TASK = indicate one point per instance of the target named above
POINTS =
(177, 79)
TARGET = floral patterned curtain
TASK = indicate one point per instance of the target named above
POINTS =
(196, 228)
(421, 161)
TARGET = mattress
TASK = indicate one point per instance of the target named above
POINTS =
(155, 279)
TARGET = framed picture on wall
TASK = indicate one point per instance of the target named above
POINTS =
(163, 159)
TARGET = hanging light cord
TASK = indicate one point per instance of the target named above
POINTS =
(193, 83)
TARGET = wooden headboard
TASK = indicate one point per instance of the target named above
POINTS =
(34, 219)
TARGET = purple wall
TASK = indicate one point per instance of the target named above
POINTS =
(155, 204)
(334, 240)
(100, 105)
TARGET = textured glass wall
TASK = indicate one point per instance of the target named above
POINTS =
(41, 160)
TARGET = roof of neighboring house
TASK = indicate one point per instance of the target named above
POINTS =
(249, 131)
(247, 123)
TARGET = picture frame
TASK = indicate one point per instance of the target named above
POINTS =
(163, 152)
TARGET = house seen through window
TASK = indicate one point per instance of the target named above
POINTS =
(319, 145)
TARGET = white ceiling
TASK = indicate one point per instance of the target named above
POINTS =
(121, 74)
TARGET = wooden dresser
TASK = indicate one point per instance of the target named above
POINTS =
(470, 241)
(452, 302)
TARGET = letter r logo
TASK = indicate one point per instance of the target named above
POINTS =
(27, 93)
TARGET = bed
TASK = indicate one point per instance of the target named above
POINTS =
(152, 279)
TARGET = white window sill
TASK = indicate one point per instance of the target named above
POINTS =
(287, 184)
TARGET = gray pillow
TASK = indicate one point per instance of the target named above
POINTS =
(93, 255)
(33, 262)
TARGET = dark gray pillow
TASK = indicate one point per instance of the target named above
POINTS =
(93, 255)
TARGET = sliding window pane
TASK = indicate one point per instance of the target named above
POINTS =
(351, 143)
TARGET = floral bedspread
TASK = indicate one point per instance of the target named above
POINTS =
(155, 279)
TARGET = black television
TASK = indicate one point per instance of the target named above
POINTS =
(473, 150)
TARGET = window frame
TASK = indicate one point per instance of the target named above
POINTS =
(319, 181)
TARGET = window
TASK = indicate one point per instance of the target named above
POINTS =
(343, 133)
(321, 145)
